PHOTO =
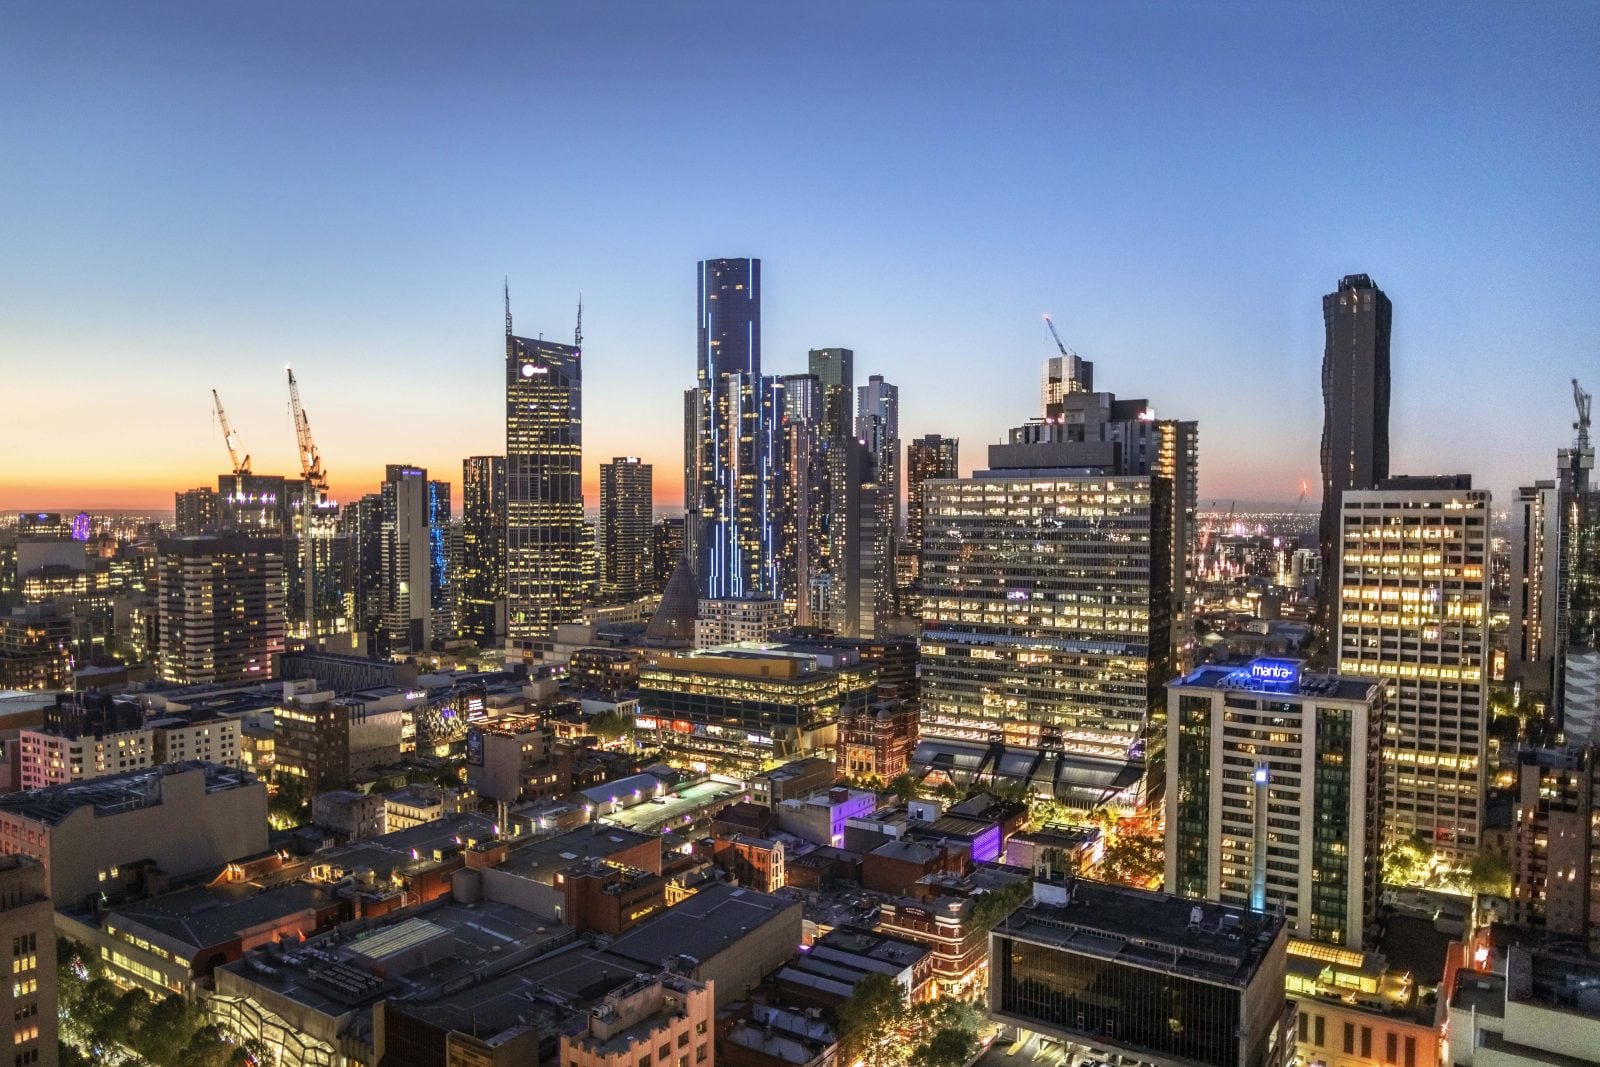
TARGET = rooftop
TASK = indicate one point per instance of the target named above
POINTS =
(1238, 676)
(412, 954)
(542, 858)
(1155, 931)
(201, 917)
(703, 925)
(116, 793)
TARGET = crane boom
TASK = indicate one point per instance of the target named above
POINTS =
(310, 461)
(1583, 401)
(229, 438)
(1057, 336)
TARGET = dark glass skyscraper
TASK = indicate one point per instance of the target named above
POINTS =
(927, 458)
(732, 430)
(1355, 404)
(482, 578)
(547, 579)
(625, 529)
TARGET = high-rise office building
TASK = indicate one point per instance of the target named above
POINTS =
(408, 558)
(802, 493)
(667, 548)
(482, 577)
(1050, 585)
(1555, 854)
(1535, 580)
(546, 578)
(197, 511)
(27, 924)
(1046, 626)
(927, 458)
(625, 529)
(361, 528)
(1273, 795)
(735, 430)
(1062, 375)
(1355, 405)
(878, 430)
(1099, 433)
(222, 609)
(835, 579)
(1413, 595)
(441, 562)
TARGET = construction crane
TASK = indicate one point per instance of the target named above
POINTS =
(310, 461)
(1064, 350)
(1583, 401)
(241, 467)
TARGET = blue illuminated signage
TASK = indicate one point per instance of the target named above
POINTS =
(1275, 671)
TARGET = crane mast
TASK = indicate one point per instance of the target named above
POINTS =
(1064, 350)
(241, 467)
(1583, 401)
(310, 461)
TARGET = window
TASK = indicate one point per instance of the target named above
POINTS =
(683, 1039)
(1366, 1042)
(700, 1027)
(700, 1054)
(1305, 1024)
(664, 1052)
(1391, 1050)
(1321, 1036)
(1411, 1052)
(1349, 1038)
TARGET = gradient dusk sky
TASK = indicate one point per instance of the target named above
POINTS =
(195, 194)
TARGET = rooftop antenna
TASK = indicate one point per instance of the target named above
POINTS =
(508, 305)
(577, 334)
(1583, 401)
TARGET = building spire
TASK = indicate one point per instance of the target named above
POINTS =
(577, 334)
(508, 305)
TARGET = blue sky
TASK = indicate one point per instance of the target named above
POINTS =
(197, 194)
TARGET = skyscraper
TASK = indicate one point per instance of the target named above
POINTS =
(733, 431)
(546, 578)
(667, 548)
(482, 579)
(1273, 792)
(1412, 597)
(408, 558)
(625, 529)
(878, 430)
(222, 609)
(1050, 587)
(836, 592)
(1355, 404)
(441, 576)
(1046, 626)
(927, 458)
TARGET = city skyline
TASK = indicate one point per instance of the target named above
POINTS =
(317, 206)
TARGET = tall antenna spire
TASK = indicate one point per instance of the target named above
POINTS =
(577, 334)
(508, 305)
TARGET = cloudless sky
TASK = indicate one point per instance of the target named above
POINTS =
(192, 195)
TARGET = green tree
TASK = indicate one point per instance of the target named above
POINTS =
(126, 1018)
(1404, 863)
(611, 726)
(208, 1048)
(904, 787)
(872, 1022)
(989, 908)
(1133, 859)
(946, 1047)
(167, 1031)
(67, 1055)
(1490, 873)
(288, 805)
